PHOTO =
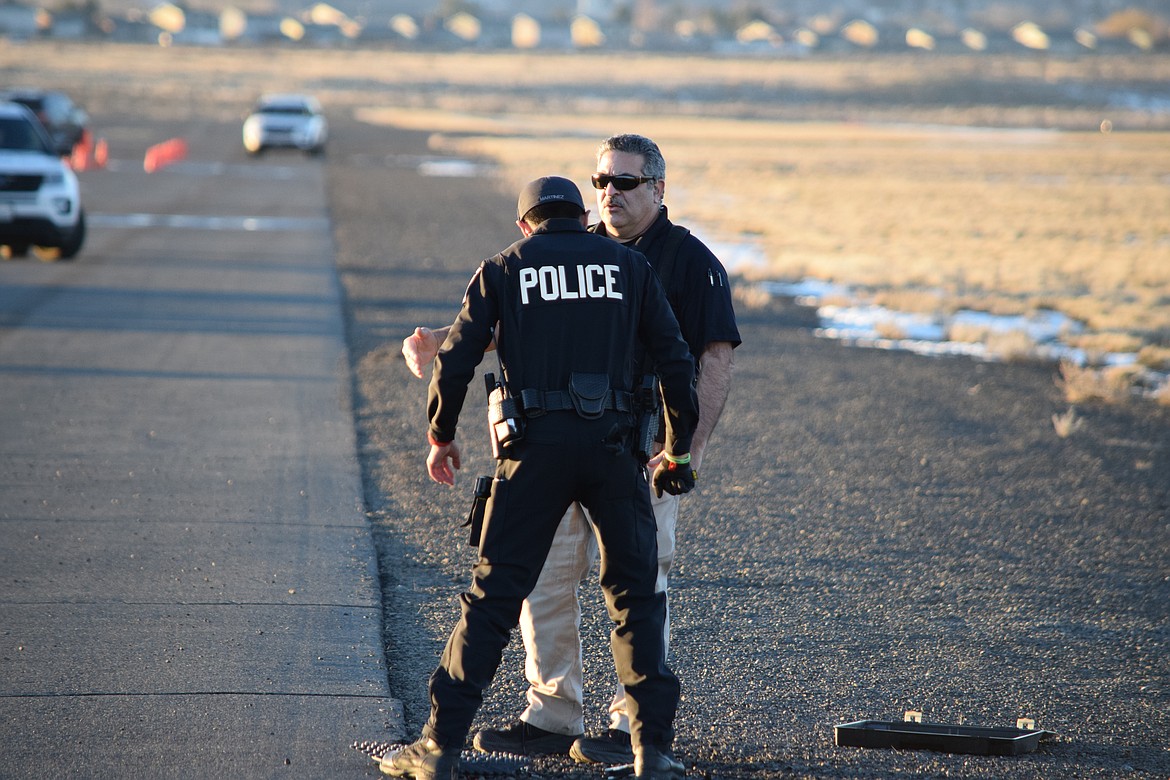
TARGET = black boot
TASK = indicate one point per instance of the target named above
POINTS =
(611, 748)
(657, 763)
(423, 760)
(523, 739)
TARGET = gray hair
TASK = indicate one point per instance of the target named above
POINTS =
(653, 164)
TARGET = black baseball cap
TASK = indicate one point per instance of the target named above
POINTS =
(548, 189)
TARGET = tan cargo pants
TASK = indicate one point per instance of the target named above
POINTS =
(550, 621)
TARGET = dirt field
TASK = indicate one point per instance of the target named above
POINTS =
(873, 532)
(928, 183)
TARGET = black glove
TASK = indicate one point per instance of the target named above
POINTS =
(674, 478)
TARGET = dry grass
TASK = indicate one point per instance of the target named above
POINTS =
(1009, 345)
(1157, 358)
(889, 329)
(1067, 423)
(751, 297)
(1083, 384)
(956, 181)
(984, 220)
(1104, 342)
(1162, 395)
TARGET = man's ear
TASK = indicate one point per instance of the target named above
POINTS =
(585, 218)
(525, 228)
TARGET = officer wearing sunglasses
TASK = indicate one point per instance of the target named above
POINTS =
(621, 181)
(630, 181)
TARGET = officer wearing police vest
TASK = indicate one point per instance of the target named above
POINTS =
(567, 309)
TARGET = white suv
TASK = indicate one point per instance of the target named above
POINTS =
(286, 120)
(40, 201)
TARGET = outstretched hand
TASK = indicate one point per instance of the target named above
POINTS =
(419, 349)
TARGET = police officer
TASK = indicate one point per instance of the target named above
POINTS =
(567, 309)
(630, 179)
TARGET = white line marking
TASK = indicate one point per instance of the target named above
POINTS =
(209, 222)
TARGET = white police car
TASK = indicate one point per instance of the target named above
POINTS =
(288, 120)
(40, 200)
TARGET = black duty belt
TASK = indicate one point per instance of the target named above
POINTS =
(538, 402)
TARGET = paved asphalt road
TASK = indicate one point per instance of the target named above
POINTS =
(187, 579)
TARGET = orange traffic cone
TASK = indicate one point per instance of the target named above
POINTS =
(101, 153)
(161, 155)
(79, 157)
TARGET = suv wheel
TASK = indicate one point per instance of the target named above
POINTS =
(72, 245)
(69, 246)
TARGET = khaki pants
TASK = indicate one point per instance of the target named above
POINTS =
(550, 621)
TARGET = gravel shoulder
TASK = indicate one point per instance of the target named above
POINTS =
(874, 531)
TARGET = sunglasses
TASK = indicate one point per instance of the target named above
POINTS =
(624, 181)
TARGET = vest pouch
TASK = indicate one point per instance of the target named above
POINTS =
(589, 393)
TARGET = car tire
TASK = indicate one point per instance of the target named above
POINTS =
(18, 250)
(72, 245)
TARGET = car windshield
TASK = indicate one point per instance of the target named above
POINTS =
(35, 105)
(18, 135)
(286, 110)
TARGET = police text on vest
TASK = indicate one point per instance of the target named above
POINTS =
(554, 283)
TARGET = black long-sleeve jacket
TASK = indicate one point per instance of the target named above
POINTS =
(565, 300)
